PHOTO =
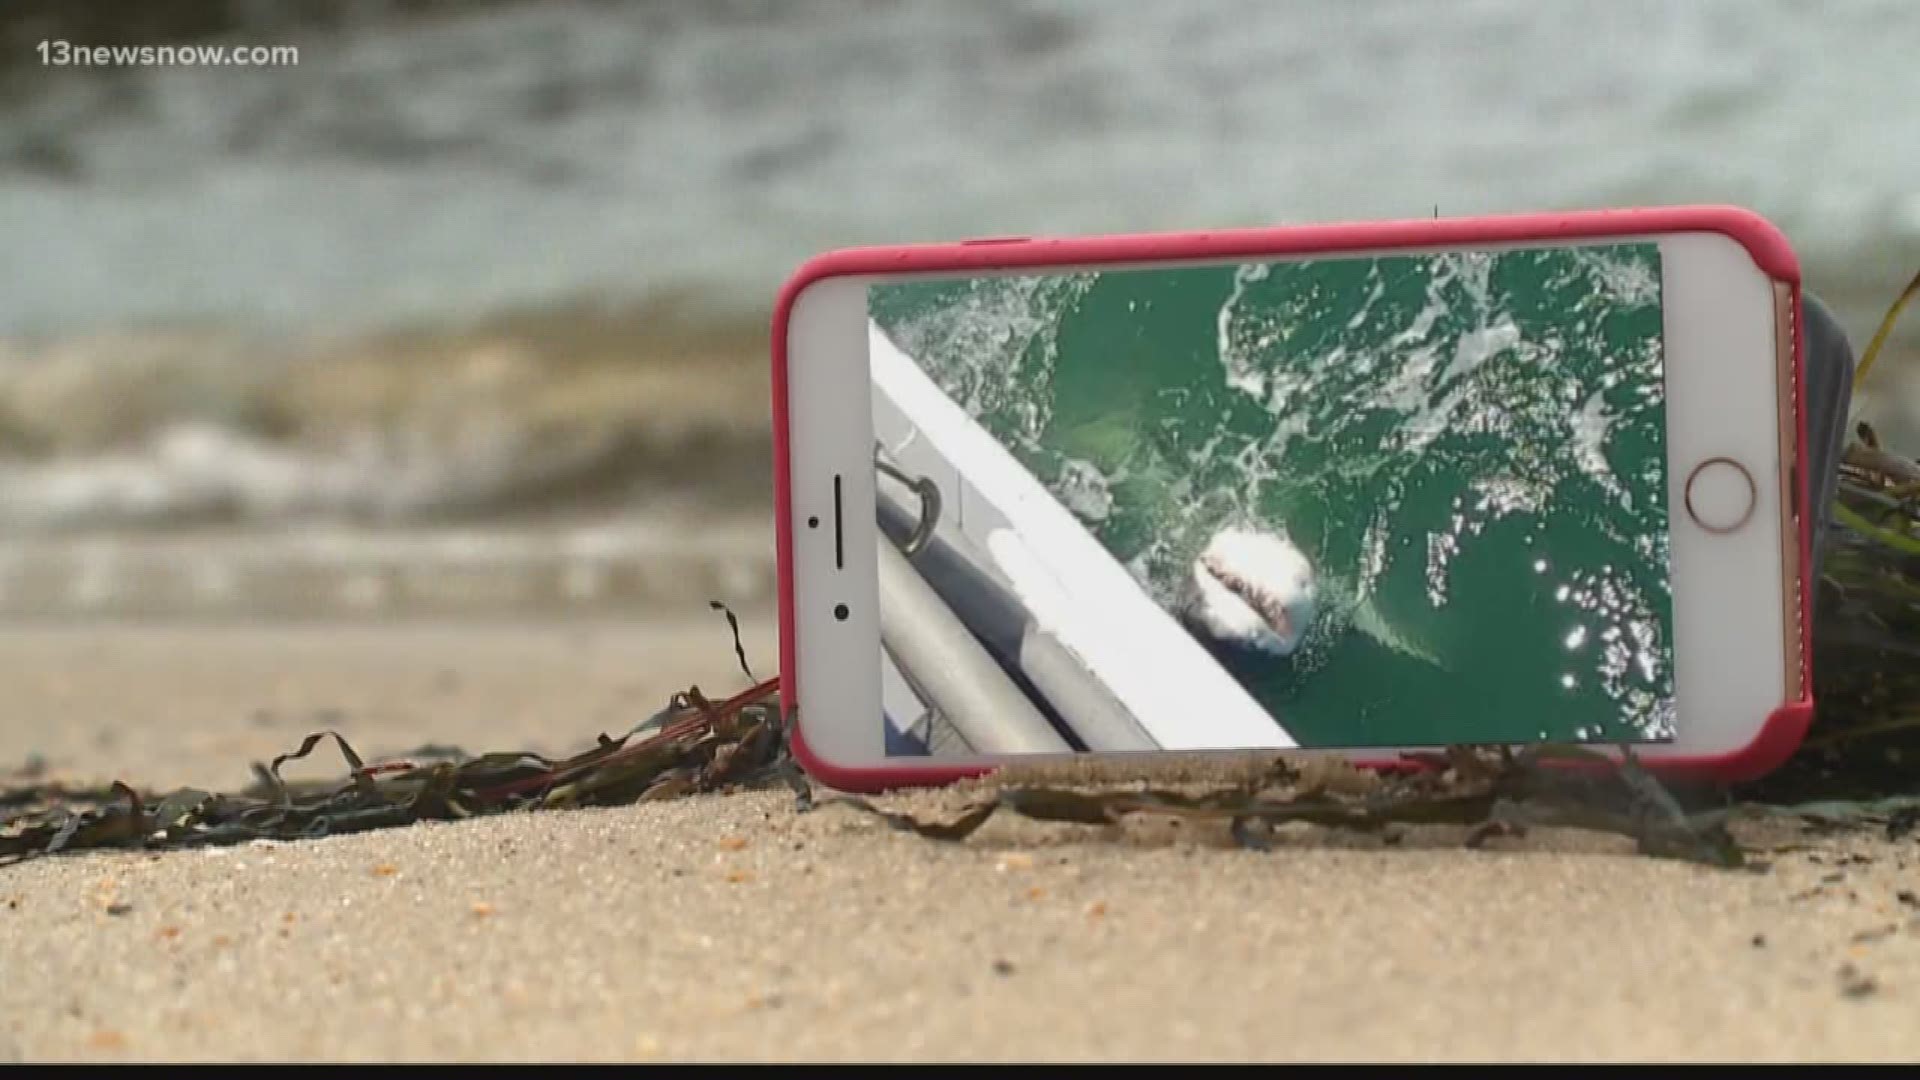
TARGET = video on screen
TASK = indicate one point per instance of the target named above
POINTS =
(1407, 500)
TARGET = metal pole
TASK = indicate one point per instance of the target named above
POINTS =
(983, 602)
(950, 668)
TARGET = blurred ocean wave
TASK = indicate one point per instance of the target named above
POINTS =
(517, 414)
(576, 461)
(476, 265)
(427, 159)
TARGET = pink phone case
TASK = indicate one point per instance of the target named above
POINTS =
(1773, 743)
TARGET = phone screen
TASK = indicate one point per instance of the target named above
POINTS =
(1403, 500)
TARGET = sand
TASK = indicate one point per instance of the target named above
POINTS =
(175, 704)
(733, 928)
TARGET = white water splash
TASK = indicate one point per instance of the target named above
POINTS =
(1237, 354)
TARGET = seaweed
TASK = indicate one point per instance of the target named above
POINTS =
(692, 746)
(703, 746)
(696, 746)
(1489, 791)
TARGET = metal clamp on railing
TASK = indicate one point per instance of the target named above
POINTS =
(924, 489)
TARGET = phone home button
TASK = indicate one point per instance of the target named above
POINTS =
(1721, 494)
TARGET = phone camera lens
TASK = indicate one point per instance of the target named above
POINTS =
(840, 612)
(813, 522)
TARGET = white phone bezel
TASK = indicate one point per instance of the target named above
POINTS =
(1732, 609)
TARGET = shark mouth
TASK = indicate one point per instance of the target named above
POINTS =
(1250, 590)
(1265, 602)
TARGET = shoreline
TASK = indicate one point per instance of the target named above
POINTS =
(591, 568)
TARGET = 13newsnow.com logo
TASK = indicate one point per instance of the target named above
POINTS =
(67, 54)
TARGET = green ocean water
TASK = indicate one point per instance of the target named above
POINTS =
(1469, 448)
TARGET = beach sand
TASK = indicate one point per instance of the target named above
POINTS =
(733, 928)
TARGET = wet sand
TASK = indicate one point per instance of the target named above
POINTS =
(734, 928)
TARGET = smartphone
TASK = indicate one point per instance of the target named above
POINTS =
(1369, 489)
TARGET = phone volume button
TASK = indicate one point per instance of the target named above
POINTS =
(980, 241)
